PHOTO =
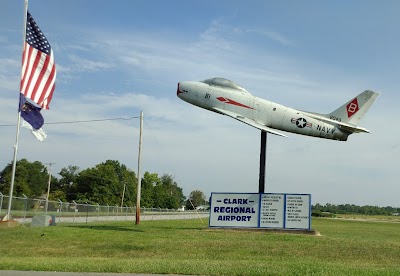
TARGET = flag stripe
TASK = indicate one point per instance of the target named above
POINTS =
(38, 67)
(33, 70)
(41, 73)
(26, 67)
(49, 87)
(47, 82)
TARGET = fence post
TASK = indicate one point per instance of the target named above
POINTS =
(108, 212)
(26, 207)
(76, 208)
(60, 210)
(1, 202)
(98, 211)
(87, 211)
(116, 217)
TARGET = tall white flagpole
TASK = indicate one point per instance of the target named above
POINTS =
(8, 216)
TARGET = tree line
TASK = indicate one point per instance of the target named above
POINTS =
(109, 183)
(319, 209)
(113, 183)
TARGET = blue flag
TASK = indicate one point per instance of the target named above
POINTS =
(30, 113)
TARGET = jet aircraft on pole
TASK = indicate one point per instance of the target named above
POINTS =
(228, 98)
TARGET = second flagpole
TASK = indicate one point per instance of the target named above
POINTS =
(8, 216)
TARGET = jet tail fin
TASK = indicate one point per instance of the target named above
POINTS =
(354, 110)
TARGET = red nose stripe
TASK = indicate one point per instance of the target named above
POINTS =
(229, 101)
(178, 91)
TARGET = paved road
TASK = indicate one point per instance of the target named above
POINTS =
(94, 218)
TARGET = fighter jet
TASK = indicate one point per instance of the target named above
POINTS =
(228, 98)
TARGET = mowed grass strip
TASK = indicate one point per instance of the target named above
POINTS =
(188, 247)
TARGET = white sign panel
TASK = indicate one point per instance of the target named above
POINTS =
(298, 211)
(234, 210)
(284, 211)
(272, 210)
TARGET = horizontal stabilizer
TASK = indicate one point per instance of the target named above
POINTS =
(343, 126)
(248, 121)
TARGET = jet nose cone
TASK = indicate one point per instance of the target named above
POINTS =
(182, 90)
(178, 90)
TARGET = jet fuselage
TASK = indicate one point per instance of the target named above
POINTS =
(227, 98)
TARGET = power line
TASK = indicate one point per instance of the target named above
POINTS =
(94, 120)
(85, 121)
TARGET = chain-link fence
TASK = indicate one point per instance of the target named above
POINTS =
(23, 209)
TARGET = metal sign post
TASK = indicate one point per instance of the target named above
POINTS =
(263, 153)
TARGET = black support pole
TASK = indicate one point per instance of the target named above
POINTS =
(263, 153)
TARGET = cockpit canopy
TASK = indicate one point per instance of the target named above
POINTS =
(224, 83)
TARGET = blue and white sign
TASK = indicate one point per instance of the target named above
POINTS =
(272, 213)
(234, 210)
(284, 211)
(298, 211)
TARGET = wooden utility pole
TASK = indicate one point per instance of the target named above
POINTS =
(139, 178)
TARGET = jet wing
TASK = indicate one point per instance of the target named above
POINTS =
(248, 121)
(346, 127)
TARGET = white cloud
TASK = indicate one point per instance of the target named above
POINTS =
(201, 149)
(9, 79)
(81, 64)
(276, 37)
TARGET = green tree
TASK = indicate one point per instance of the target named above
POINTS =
(354, 209)
(166, 193)
(67, 183)
(31, 179)
(149, 181)
(104, 184)
(196, 198)
(174, 197)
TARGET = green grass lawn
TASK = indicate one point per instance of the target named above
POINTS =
(187, 247)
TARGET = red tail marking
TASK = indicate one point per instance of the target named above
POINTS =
(352, 108)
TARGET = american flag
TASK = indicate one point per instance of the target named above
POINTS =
(38, 68)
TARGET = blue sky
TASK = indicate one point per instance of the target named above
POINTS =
(115, 60)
